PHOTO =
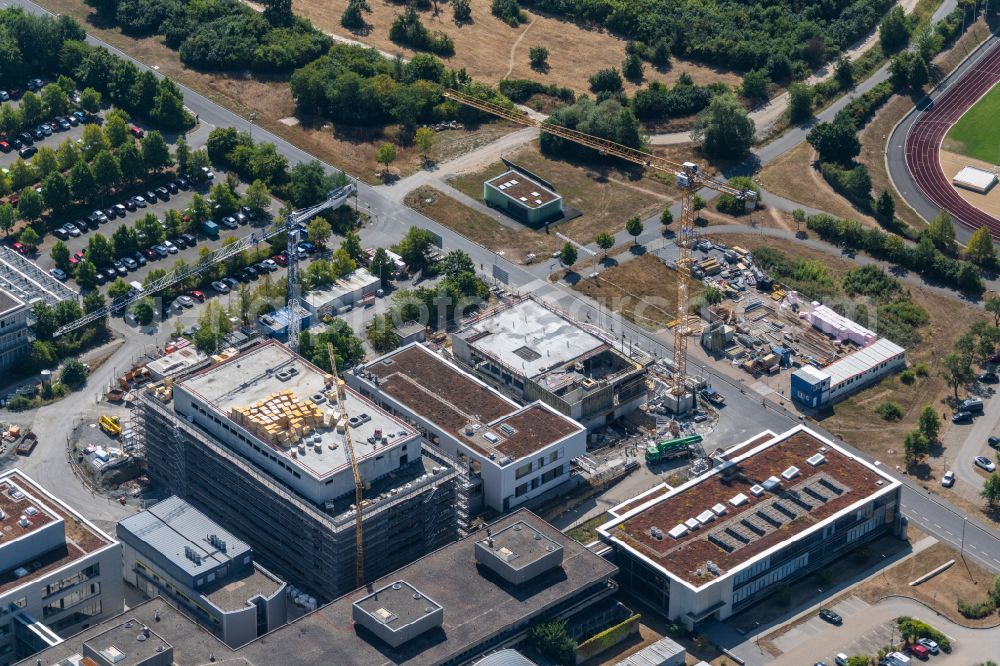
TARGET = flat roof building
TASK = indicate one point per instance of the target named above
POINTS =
(257, 442)
(342, 293)
(522, 197)
(815, 387)
(540, 354)
(766, 514)
(977, 180)
(58, 572)
(520, 452)
(30, 283)
(463, 611)
(15, 340)
(174, 550)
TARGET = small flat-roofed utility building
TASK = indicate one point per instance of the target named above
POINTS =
(521, 452)
(815, 387)
(522, 198)
(766, 514)
(174, 550)
(977, 180)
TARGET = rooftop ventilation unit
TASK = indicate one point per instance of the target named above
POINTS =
(790, 473)
(705, 517)
(739, 500)
(816, 460)
(757, 490)
(656, 533)
(719, 509)
(692, 524)
(771, 483)
(678, 531)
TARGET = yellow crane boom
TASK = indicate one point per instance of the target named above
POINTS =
(359, 558)
(688, 177)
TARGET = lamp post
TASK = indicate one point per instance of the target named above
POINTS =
(252, 117)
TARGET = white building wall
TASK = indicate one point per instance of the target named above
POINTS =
(866, 378)
(13, 336)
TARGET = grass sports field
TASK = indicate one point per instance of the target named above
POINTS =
(975, 133)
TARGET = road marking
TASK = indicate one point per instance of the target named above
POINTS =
(937, 526)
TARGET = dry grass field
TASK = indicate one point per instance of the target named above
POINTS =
(491, 50)
(607, 196)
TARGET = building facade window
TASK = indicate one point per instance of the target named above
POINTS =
(92, 571)
(72, 599)
(521, 490)
(522, 471)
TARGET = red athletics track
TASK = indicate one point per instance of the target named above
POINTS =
(923, 142)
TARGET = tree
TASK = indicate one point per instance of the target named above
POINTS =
(168, 107)
(31, 109)
(319, 231)
(605, 241)
(915, 447)
(991, 490)
(538, 56)
(992, 305)
(754, 86)
(980, 246)
(382, 267)
(844, 74)
(60, 255)
(8, 216)
(551, 639)
(130, 162)
(56, 192)
(81, 181)
(424, 138)
(124, 240)
(94, 142)
(29, 237)
(45, 320)
(462, 10)
(941, 231)
(86, 274)
(54, 100)
(666, 218)
(224, 202)
(353, 18)
(634, 228)
(606, 80)
(143, 312)
(45, 162)
(713, 295)
(885, 207)
(836, 141)
(457, 263)
(31, 205)
(414, 246)
(352, 245)
(929, 422)
(10, 119)
(116, 130)
(155, 153)
(22, 174)
(957, 370)
(90, 100)
(119, 289)
(182, 154)
(567, 255)
(107, 171)
(278, 13)
(309, 183)
(385, 154)
(894, 30)
(381, 334)
(724, 129)
(100, 251)
(74, 373)
(68, 155)
(800, 102)
(919, 73)
(632, 68)
(257, 197)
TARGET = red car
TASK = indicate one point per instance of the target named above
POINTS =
(77, 257)
(919, 651)
(4, 146)
(197, 295)
(136, 132)
(280, 259)
(20, 248)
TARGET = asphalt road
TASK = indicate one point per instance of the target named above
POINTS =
(900, 139)
(391, 220)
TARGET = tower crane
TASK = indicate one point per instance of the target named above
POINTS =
(359, 557)
(689, 178)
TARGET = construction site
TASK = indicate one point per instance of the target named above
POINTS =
(262, 441)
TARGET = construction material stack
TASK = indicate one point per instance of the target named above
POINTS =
(281, 419)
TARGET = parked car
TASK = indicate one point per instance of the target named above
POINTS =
(161, 250)
(4, 96)
(962, 417)
(948, 480)
(241, 218)
(220, 287)
(130, 204)
(27, 152)
(100, 278)
(136, 132)
(993, 441)
(60, 233)
(34, 85)
(231, 281)
(63, 123)
(185, 300)
(183, 183)
(280, 259)
(151, 196)
(197, 295)
(840, 659)
(308, 247)
(139, 257)
(81, 116)
(26, 138)
(229, 223)
(171, 248)
(74, 228)
(73, 120)
(139, 201)
(932, 646)
(109, 214)
(163, 193)
(5, 146)
(830, 616)
(984, 463)
(15, 93)
(151, 254)
(20, 248)
(120, 268)
(110, 273)
(77, 256)
(189, 239)
(58, 274)
(179, 242)
(919, 651)
(173, 187)
(974, 405)
(130, 263)
(120, 210)
(45, 129)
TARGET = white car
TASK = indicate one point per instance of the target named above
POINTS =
(984, 463)
(171, 248)
(139, 201)
(220, 287)
(948, 480)
(185, 300)
(929, 644)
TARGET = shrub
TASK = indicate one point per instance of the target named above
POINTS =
(729, 204)
(462, 10)
(890, 411)
(855, 184)
(19, 403)
(407, 29)
(508, 11)
(907, 376)
(520, 90)
(657, 101)
(975, 611)
(538, 55)
(606, 80)
(922, 369)
(909, 626)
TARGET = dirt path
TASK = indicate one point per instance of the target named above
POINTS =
(513, 48)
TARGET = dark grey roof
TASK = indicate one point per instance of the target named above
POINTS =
(172, 525)
(8, 301)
